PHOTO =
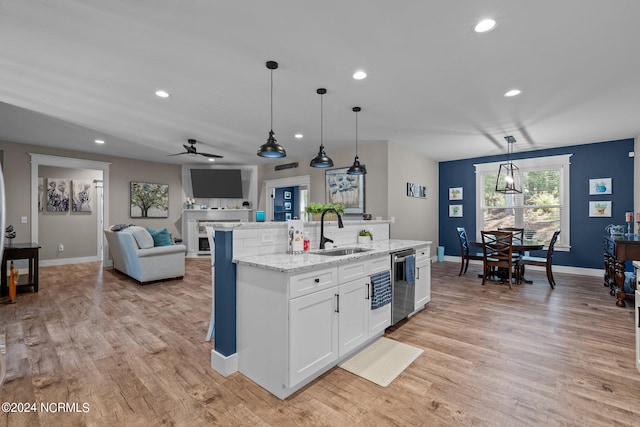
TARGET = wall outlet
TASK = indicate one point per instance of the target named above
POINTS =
(23, 219)
(60, 247)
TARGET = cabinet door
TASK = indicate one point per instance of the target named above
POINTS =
(313, 334)
(380, 318)
(423, 282)
(352, 314)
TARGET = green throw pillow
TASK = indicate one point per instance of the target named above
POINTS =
(160, 237)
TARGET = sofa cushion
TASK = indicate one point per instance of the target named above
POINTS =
(160, 237)
(142, 236)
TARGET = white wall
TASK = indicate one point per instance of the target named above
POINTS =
(414, 218)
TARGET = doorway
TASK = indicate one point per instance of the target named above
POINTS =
(287, 198)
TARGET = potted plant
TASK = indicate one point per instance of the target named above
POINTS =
(315, 211)
(365, 236)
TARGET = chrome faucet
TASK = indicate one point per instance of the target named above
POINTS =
(323, 239)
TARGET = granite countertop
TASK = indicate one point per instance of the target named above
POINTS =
(289, 263)
(269, 224)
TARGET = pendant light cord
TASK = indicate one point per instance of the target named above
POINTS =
(272, 100)
(321, 121)
(356, 134)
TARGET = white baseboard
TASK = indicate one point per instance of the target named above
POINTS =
(595, 272)
(224, 365)
(65, 261)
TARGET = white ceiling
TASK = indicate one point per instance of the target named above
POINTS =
(74, 71)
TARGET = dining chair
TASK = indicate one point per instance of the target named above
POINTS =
(544, 262)
(498, 254)
(465, 253)
(518, 233)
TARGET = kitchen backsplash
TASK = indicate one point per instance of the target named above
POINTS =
(268, 238)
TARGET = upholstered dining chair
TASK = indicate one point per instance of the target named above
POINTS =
(544, 262)
(498, 254)
(465, 252)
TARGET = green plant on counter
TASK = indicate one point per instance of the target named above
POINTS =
(364, 233)
(318, 208)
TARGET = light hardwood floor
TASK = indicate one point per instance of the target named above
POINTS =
(492, 357)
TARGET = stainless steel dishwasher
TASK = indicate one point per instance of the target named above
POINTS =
(403, 293)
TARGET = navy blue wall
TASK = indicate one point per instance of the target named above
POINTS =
(600, 160)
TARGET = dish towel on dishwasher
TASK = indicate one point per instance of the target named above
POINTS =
(381, 285)
(410, 269)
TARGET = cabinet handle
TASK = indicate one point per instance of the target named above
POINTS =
(337, 303)
(368, 291)
(418, 275)
(638, 316)
(317, 280)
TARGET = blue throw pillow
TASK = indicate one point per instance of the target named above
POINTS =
(160, 237)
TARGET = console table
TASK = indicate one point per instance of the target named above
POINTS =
(617, 250)
(15, 251)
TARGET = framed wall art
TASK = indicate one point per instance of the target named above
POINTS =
(600, 186)
(344, 189)
(81, 195)
(600, 209)
(148, 200)
(455, 193)
(57, 195)
(455, 211)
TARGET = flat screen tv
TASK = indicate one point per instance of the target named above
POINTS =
(216, 183)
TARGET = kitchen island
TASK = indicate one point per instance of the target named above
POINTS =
(300, 315)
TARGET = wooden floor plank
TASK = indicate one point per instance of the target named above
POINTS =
(492, 357)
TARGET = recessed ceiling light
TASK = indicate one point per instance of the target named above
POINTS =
(99, 141)
(212, 160)
(359, 75)
(485, 25)
(162, 93)
(298, 136)
(513, 92)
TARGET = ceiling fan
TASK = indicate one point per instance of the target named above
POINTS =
(191, 149)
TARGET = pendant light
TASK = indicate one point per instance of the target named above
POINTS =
(271, 148)
(357, 168)
(508, 181)
(321, 160)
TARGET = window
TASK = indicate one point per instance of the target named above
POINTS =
(541, 209)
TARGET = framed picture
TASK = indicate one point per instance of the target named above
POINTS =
(600, 209)
(287, 195)
(455, 193)
(81, 195)
(600, 186)
(455, 211)
(287, 216)
(57, 195)
(148, 200)
(287, 206)
(344, 189)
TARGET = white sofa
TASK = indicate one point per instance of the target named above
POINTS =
(144, 265)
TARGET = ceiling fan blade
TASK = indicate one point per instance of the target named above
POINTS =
(178, 154)
(211, 155)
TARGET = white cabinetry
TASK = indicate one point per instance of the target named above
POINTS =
(423, 276)
(294, 327)
(313, 334)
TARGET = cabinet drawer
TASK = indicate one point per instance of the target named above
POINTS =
(423, 253)
(379, 264)
(353, 271)
(312, 281)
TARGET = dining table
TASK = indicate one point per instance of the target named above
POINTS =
(518, 246)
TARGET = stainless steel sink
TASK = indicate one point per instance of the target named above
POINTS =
(341, 251)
